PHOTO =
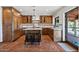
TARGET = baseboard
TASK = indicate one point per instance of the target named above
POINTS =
(16, 38)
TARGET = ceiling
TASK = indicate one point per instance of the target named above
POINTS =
(38, 10)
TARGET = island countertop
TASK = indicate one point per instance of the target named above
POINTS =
(32, 28)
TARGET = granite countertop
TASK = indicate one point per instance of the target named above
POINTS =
(26, 26)
(57, 28)
(38, 26)
(32, 28)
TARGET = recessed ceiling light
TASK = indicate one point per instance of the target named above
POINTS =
(21, 10)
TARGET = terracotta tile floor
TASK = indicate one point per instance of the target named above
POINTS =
(46, 45)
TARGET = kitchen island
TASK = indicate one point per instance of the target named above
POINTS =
(32, 35)
(33, 32)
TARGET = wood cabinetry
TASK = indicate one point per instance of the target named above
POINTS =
(33, 36)
(29, 18)
(17, 34)
(11, 21)
(51, 34)
(45, 31)
(7, 24)
(26, 19)
(48, 31)
(16, 18)
(46, 19)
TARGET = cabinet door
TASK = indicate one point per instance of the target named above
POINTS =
(37, 37)
(24, 19)
(15, 22)
(45, 31)
(51, 34)
(48, 19)
(42, 20)
(29, 19)
(19, 20)
(57, 35)
(7, 24)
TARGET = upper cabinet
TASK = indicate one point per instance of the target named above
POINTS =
(46, 19)
(17, 20)
(26, 19)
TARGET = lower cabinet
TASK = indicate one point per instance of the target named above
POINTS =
(51, 34)
(33, 36)
(57, 35)
(48, 31)
(45, 31)
(17, 34)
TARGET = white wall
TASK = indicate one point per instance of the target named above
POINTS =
(61, 14)
(1, 24)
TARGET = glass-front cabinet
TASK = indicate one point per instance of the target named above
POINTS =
(72, 26)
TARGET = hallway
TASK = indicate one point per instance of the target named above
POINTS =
(45, 45)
